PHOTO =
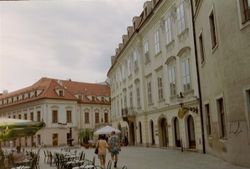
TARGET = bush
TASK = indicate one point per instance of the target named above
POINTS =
(85, 135)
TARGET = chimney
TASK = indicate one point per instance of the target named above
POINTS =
(130, 30)
(120, 46)
(124, 38)
(136, 21)
(116, 51)
(113, 59)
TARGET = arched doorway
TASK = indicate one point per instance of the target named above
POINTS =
(191, 132)
(152, 132)
(140, 132)
(177, 132)
(132, 133)
(163, 132)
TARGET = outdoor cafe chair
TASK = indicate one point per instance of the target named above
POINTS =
(124, 167)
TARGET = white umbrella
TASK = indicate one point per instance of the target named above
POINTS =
(106, 130)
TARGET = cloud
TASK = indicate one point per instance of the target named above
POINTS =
(60, 39)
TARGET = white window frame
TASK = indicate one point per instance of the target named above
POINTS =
(145, 46)
(160, 88)
(172, 80)
(149, 89)
(168, 30)
(186, 77)
(157, 41)
(181, 23)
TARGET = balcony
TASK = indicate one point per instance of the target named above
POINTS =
(128, 114)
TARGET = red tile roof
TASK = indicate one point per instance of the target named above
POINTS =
(49, 87)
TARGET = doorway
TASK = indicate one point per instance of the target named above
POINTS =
(191, 132)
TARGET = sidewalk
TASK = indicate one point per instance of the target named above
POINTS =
(156, 158)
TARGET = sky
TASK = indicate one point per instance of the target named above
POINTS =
(62, 39)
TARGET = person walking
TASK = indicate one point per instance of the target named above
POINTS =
(115, 147)
(102, 145)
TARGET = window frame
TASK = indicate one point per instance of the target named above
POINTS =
(172, 80)
(168, 30)
(160, 88)
(157, 41)
(186, 74)
(213, 29)
(54, 116)
(69, 116)
(221, 118)
(86, 118)
(181, 20)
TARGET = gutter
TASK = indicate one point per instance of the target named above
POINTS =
(198, 79)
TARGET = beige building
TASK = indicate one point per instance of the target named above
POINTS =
(154, 91)
(223, 47)
(63, 105)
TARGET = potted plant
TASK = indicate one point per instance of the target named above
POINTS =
(84, 137)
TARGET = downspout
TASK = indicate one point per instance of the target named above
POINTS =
(198, 80)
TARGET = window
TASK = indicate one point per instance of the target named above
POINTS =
(86, 117)
(181, 18)
(168, 29)
(125, 99)
(157, 42)
(69, 116)
(97, 118)
(222, 119)
(160, 88)
(38, 116)
(245, 10)
(131, 99)
(60, 92)
(201, 48)
(138, 96)
(14, 117)
(19, 116)
(106, 117)
(25, 116)
(208, 120)
(172, 80)
(186, 75)
(54, 116)
(212, 29)
(146, 48)
(150, 101)
(32, 116)
(136, 66)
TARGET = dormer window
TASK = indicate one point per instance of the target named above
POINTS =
(93, 98)
(60, 93)
(103, 100)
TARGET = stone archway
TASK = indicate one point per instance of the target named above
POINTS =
(152, 132)
(163, 132)
(191, 132)
(177, 139)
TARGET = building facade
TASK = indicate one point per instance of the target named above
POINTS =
(64, 105)
(153, 78)
(223, 46)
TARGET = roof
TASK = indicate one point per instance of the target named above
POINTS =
(47, 88)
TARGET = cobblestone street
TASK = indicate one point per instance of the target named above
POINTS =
(156, 158)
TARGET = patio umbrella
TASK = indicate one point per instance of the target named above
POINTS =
(106, 130)
(14, 128)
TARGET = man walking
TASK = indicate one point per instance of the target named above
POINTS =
(114, 143)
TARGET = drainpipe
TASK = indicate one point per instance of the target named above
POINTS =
(198, 79)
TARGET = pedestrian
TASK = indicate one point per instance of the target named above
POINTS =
(102, 145)
(115, 147)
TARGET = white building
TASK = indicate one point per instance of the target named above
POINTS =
(223, 45)
(153, 73)
(62, 105)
